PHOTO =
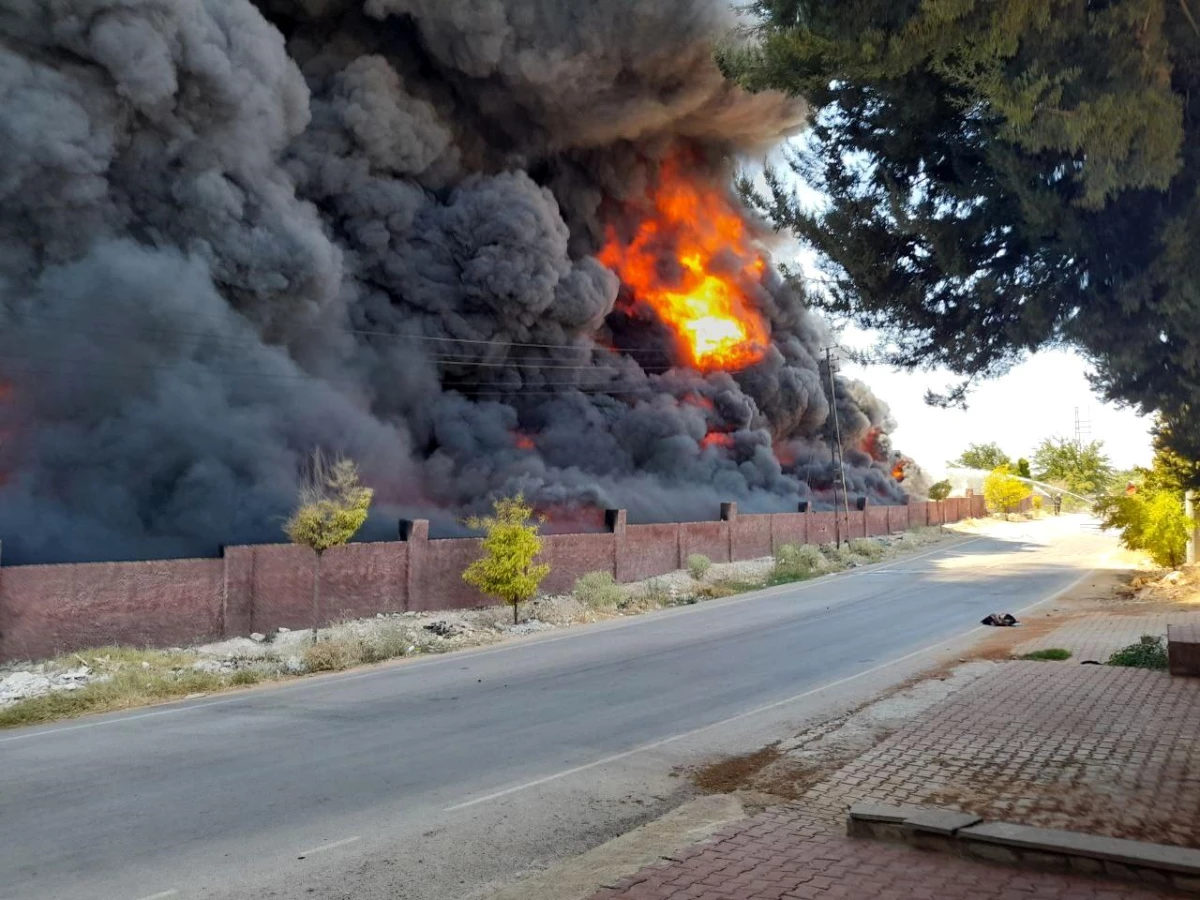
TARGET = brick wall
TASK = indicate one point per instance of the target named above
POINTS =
(46, 610)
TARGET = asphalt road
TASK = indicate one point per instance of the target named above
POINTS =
(443, 777)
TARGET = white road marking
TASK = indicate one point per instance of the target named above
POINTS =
(473, 654)
(324, 847)
(162, 895)
(616, 757)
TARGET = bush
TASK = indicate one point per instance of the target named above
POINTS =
(1148, 653)
(1037, 502)
(1053, 653)
(1151, 521)
(793, 562)
(245, 677)
(332, 655)
(387, 643)
(838, 554)
(698, 565)
(867, 547)
(598, 590)
(655, 594)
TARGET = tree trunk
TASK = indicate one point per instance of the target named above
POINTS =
(516, 606)
(316, 607)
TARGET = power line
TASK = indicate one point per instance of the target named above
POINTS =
(360, 332)
(134, 371)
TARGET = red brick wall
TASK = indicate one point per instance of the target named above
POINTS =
(877, 520)
(751, 537)
(440, 584)
(822, 528)
(789, 528)
(50, 609)
(648, 550)
(708, 538)
(572, 555)
(46, 610)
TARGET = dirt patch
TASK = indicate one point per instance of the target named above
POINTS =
(734, 773)
(786, 770)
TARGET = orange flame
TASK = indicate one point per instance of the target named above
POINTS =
(717, 439)
(523, 441)
(898, 469)
(705, 304)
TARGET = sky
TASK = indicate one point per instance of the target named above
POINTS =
(1035, 400)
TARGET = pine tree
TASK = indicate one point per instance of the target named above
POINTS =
(999, 177)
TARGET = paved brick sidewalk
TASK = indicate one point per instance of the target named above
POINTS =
(784, 854)
(1057, 744)
(1098, 635)
(1087, 748)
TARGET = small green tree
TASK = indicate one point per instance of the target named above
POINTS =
(332, 506)
(940, 490)
(1002, 491)
(1023, 469)
(510, 545)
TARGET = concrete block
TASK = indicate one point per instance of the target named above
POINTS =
(989, 852)
(879, 812)
(1131, 853)
(940, 821)
(1183, 649)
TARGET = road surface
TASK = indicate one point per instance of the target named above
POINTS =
(446, 777)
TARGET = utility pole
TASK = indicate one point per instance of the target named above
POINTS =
(1083, 429)
(837, 449)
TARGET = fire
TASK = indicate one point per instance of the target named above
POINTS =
(523, 441)
(898, 469)
(717, 439)
(705, 304)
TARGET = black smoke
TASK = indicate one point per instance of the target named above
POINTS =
(231, 232)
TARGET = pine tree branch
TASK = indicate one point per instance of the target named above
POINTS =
(1187, 11)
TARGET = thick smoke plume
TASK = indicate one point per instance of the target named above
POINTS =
(233, 231)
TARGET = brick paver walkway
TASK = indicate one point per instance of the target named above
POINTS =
(784, 854)
(1056, 744)
(1098, 635)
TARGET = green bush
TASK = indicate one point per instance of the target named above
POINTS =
(698, 565)
(1152, 521)
(1053, 653)
(1148, 653)
(868, 547)
(598, 590)
(655, 594)
(793, 562)
(245, 677)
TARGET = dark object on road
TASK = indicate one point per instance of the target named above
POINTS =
(1089, 662)
(1000, 619)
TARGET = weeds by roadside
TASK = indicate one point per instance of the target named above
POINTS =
(1148, 653)
(1053, 653)
(125, 678)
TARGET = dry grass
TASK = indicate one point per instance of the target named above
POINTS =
(130, 684)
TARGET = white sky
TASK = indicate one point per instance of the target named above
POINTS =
(1035, 400)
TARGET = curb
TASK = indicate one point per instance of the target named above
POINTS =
(1045, 849)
